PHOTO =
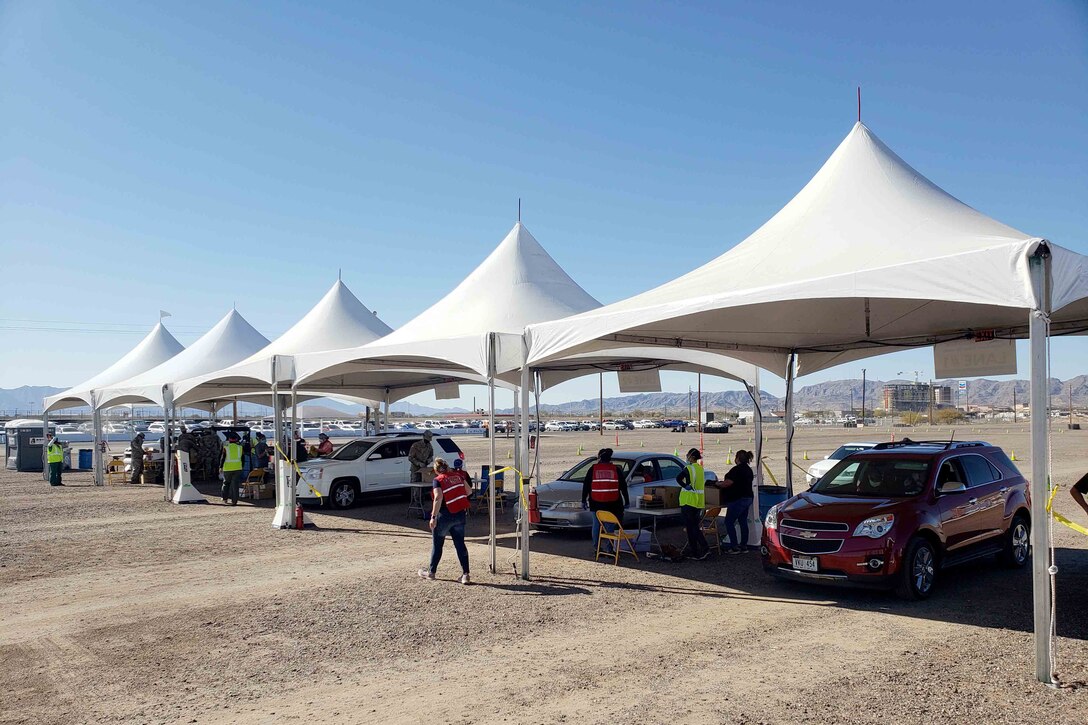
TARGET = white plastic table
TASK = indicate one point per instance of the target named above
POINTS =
(654, 515)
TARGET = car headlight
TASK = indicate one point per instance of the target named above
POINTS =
(771, 520)
(569, 505)
(875, 526)
(313, 474)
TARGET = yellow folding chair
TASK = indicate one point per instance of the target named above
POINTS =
(115, 472)
(253, 480)
(709, 526)
(617, 537)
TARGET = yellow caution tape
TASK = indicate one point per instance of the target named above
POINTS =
(523, 496)
(299, 472)
(1061, 519)
(768, 472)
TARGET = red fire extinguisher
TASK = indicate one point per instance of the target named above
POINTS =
(534, 512)
(300, 519)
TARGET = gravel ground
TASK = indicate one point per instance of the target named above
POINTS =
(119, 607)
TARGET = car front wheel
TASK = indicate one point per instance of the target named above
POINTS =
(918, 570)
(342, 495)
(1017, 543)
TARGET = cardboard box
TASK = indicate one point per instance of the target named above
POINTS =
(265, 490)
(713, 496)
(668, 496)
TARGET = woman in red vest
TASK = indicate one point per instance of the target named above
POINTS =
(605, 489)
(448, 516)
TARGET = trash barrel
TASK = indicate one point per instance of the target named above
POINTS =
(86, 459)
(769, 496)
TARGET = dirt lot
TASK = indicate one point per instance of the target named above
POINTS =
(119, 607)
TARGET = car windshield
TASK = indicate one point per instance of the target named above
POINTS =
(896, 477)
(578, 473)
(351, 451)
(843, 451)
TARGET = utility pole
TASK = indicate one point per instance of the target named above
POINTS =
(931, 401)
(1070, 404)
(600, 418)
(699, 376)
(689, 402)
(863, 396)
(1014, 403)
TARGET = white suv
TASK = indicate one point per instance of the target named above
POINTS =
(819, 468)
(367, 465)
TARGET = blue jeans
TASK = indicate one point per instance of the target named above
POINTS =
(596, 530)
(736, 514)
(452, 525)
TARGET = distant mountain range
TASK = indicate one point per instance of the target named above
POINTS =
(830, 395)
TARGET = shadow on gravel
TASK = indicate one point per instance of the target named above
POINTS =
(981, 594)
(537, 587)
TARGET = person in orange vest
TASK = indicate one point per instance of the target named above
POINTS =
(448, 517)
(604, 489)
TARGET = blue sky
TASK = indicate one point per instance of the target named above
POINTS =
(186, 156)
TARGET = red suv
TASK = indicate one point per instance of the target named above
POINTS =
(894, 515)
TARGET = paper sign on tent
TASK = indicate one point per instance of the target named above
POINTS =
(967, 358)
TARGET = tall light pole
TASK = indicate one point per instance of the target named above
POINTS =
(863, 396)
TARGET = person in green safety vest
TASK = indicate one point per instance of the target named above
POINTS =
(692, 482)
(231, 461)
(54, 455)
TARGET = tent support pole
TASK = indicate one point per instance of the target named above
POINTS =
(291, 480)
(167, 464)
(98, 441)
(492, 543)
(791, 371)
(279, 519)
(754, 522)
(523, 443)
(1040, 470)
(45, 441)
(385, 412)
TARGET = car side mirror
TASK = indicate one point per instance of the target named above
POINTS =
(374, 457)
(952, 487)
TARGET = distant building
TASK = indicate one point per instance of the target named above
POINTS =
(899, 397)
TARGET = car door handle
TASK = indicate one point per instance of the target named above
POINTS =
(1004, 489)
(972, 501)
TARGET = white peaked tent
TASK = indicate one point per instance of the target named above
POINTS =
(517, 284)
(157, 347)
(230, 340)
(473, 333)
(476, 333)
(869, 257)
(338, 320)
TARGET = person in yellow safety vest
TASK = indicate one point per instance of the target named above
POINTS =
(692, 482)
(54, 455)
(231, 459)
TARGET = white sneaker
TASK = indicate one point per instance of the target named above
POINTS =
(425, 574)
(465, 579)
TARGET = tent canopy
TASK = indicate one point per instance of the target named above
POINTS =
(230, 340)
(517, 284)
(157, 347)
(869, 257)
(338, 320)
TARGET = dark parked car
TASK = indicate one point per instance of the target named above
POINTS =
(895, 515)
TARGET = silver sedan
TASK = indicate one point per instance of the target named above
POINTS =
(560, 501)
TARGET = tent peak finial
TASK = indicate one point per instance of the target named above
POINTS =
(519, 210)
(859, 104)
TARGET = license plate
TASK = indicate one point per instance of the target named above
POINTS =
(805, 563)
